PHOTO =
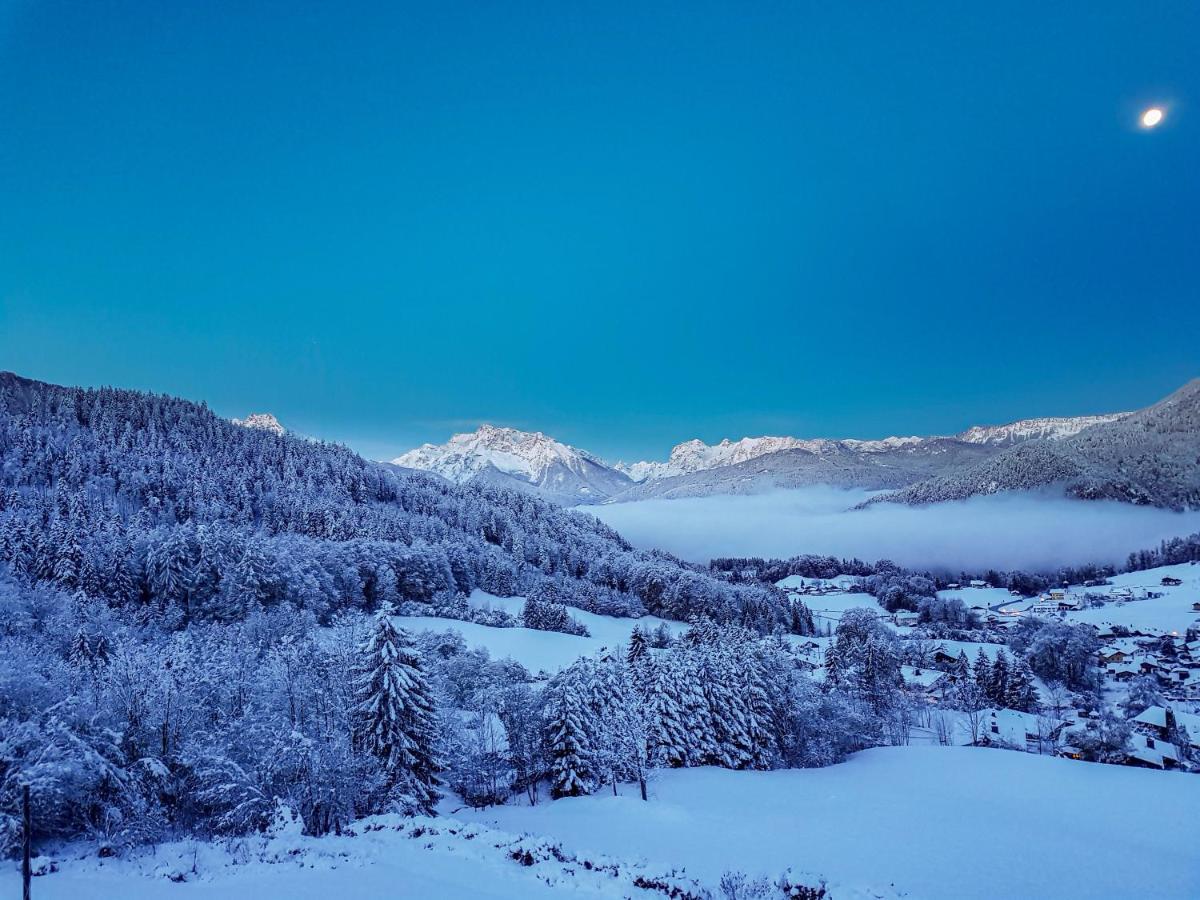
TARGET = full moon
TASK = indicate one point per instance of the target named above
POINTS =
(1152, 117)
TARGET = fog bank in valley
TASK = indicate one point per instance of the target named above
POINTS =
(1030, 531)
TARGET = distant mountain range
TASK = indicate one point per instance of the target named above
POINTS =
(1148, 457)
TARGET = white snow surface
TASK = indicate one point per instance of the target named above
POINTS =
(938, 823)
(386, 856)
(548, 651)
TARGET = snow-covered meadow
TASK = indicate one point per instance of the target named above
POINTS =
(538, 651)
(1011, 531)
(932, 822)
(939, 823)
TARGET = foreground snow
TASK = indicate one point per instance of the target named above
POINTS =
(921, 822)
(384, 856)
(935, 822)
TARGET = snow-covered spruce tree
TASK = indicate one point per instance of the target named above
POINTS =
(998, 686)
(80, 654)
(731, 745)
(638, 646)
(618, 727)
(394, 716)
(568, 735)
(669, 737)
(982, 673)
(1020, 692)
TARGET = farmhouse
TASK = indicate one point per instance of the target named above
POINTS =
(1022, 730)
(1166, 722)
(928, 683)
(1044, 606)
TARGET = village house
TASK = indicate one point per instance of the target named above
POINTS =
(1020, 730)
(1166, 722)
(1168, 581)
(929, 684)
(1044, 606)
(905, 618)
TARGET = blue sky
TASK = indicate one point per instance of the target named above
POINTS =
(625, 225)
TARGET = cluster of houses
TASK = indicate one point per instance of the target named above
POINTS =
(1172, 661)
(1162, 734)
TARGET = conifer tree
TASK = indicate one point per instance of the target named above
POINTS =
(395, 716)
(983, 674)
(998, 681)
(568, 739)
(80, 653)
(638, 646)
(669, 735)
(1021, 694)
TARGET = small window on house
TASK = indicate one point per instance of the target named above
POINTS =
(1150, 742)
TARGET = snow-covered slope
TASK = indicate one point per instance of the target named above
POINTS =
(938, 823)
(525, 460)
(261, 421)
(1149, 457)
(538, 651)
(1054, 429)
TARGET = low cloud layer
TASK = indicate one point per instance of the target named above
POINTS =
(1004, 531)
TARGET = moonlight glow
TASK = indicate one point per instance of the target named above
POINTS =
(1152, 117)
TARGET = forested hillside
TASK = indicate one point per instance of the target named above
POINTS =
(1149, 457)
(157, 503)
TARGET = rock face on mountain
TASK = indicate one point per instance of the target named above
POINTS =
(1150, 457)
(261, 421)
(526, 461)
(1054, 429)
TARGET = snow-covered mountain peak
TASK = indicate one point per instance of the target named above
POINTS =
(262, 422)
(1049, 428)
(493, 452)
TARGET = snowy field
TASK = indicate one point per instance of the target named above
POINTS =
(547, 651)
(1171, 612)
(1003, 531)
(385, 858)
(935, 822)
